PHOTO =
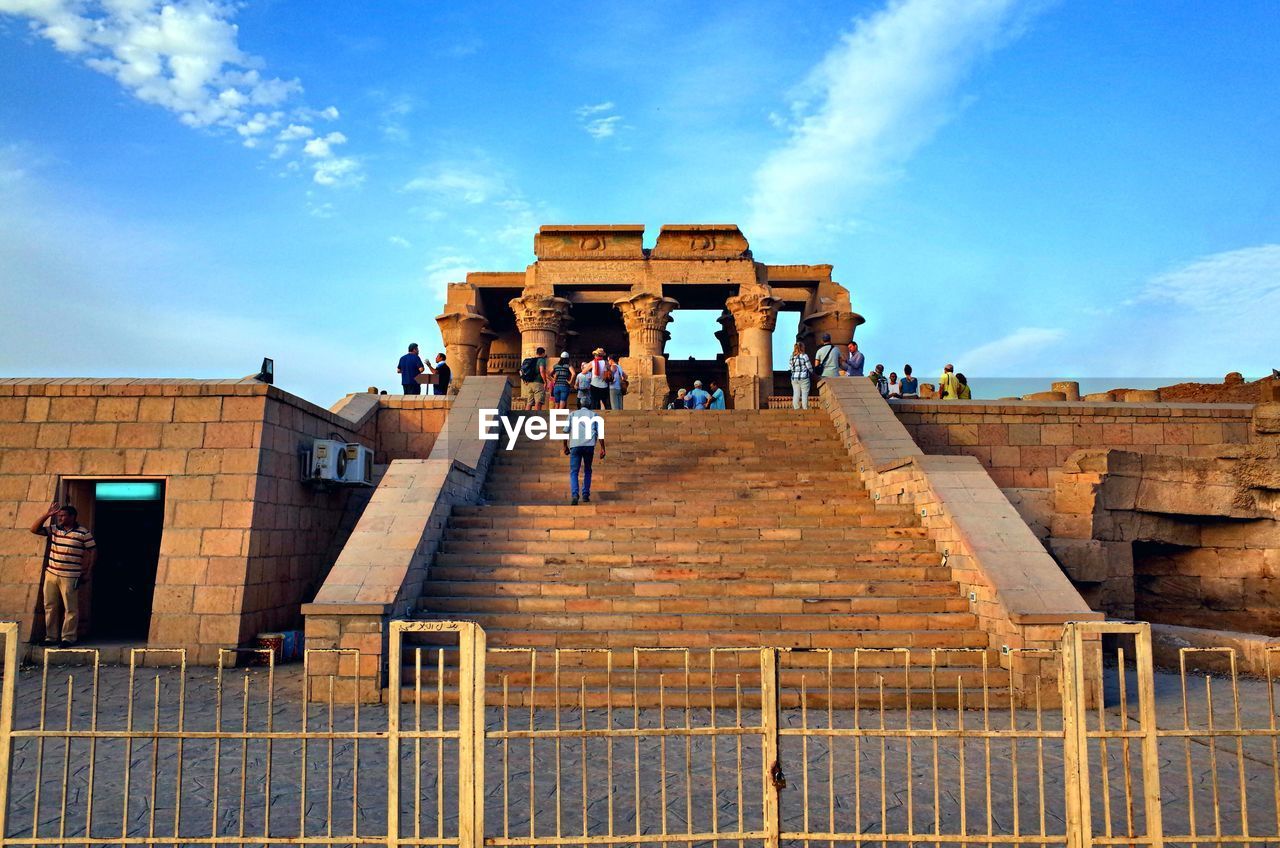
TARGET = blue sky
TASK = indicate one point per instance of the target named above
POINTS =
(1023, 188)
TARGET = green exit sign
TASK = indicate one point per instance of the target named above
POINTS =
(140, 490)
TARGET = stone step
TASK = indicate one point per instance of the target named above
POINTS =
(854, 503)
(479, 601)
(441, 649)
(520, 568)
(508, 582)
(611, 490)
(726, 515)
(818, 548)
(547, 637)
(799, 625)
(726, 528)
(673, 696)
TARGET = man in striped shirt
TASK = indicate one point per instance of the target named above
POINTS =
(71, 552)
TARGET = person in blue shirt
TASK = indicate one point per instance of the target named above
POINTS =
(717, 396)
(854, 362)
(410, 367)
(697, 399)
(910, 386)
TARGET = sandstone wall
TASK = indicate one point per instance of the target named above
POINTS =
(1022, 443)
(407, 426)
(244, 542)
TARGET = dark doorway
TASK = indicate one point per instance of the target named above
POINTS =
(127, 519)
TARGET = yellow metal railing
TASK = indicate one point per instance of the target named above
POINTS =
(540, 746)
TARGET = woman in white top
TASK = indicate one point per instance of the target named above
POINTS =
(895, 388)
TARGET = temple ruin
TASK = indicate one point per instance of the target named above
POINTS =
(599, 286)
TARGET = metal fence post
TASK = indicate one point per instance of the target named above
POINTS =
(1075, 740)
(8, 687)
(394, 670)
(770, 766)
(1150, 739)
(471, 693)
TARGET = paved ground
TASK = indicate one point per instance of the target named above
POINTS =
(687, 783)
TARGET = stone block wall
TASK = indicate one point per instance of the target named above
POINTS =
(201, 438)
(407, 426)
(1180, 541)
(244, 541)
(297, 529)
(1021, 597)
(378, 576)
(1022, 444)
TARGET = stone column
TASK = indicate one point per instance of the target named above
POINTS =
(463, 334)
(727, 334)
(540, 318)
(646, 314)
(840, 323)
(755, 314)
(482, 355)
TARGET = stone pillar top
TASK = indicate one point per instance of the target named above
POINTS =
(540, 312)
(701, 241)
(754, 310)
(647, 309)
(589, 241)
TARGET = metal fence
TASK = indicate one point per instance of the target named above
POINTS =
(714, 746)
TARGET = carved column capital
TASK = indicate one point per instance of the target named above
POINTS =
(540, 312)
(646, 310)
(646, 315)
(754, 310)
(727, 334)
(840, 323)
(462, 327)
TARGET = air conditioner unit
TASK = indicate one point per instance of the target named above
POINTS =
(328, 460)
(358, 470)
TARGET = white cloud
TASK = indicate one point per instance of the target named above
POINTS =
(181, 55)
(329, 169)
(870, 103)
(321, 147)
(460, 181)
(597, 121)
(337, 170)
(451, 268)
(1233, 284)
(603, 127)
(294, 132)
(399, 241)
(1006, 354)
(392, 117)
(1208, 316)
(588, 111)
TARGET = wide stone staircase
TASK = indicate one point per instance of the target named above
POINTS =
(722, 530)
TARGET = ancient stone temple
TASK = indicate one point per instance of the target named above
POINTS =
(599, 286)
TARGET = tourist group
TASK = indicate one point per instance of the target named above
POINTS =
(829, 361)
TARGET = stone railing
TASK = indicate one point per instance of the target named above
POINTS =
(379, 574)
(784, 402)
(503, 363)
(1020, 596)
